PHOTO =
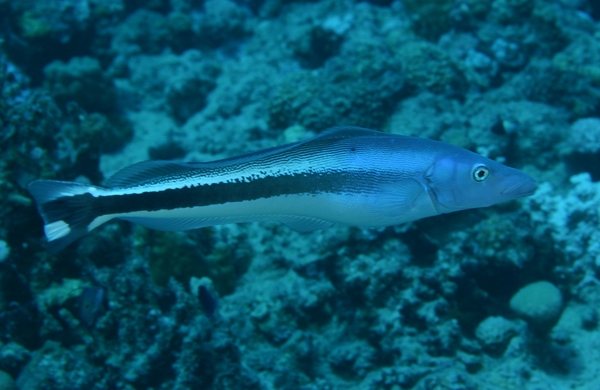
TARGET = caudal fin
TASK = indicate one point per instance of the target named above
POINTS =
(67, 210)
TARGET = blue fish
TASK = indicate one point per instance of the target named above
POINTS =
(91, 305)
(349, 176)
(207, 301)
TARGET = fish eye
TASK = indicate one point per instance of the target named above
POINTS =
(480, 173)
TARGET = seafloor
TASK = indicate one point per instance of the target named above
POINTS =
(91, 86)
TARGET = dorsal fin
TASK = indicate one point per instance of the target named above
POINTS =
(149, 171)
(347, 132)
(146, 171)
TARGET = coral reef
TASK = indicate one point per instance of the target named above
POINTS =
(539, 303)
(451, 302)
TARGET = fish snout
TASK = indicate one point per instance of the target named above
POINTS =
(519, 186)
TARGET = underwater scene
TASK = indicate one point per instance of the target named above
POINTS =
(304, 195)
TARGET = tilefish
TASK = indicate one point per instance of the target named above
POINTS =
(346, 175)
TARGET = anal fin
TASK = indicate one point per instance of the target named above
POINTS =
(303, 224)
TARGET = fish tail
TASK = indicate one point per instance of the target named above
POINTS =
(67, 209)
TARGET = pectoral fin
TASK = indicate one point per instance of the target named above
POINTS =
(400, 197)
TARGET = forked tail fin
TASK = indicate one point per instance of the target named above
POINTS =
(67, 209)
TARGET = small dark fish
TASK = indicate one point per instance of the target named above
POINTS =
(498, 127)
(207, 301)
(91, 305)
(505, 126)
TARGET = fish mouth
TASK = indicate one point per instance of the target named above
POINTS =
(523, 187)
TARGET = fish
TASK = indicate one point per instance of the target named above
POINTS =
(207, 300)
(346, 175)
(90, 305)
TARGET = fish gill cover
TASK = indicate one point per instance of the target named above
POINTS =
(91, 86)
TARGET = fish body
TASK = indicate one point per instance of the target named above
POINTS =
(91, 305)
(350, 176)
(207, 301)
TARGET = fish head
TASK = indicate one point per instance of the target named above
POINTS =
(465, 180)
